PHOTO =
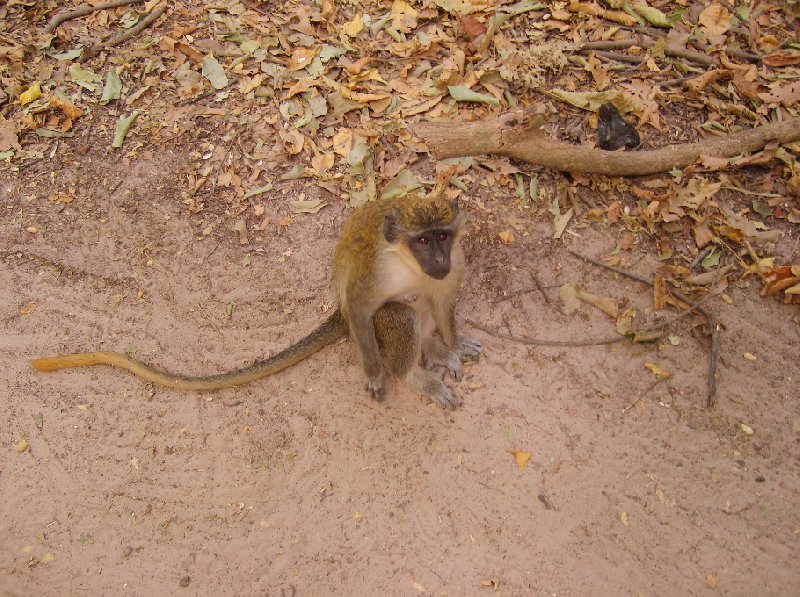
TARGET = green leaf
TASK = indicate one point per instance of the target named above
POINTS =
(465, 94)
(124, 124)
(229, 310)
(761, 208)
(84, 78)
(113, 87)
(213, 71)
(38, 420)
(711, 261)
(258, 191)
(653, 16)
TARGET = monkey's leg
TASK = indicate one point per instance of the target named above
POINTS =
(397, 329)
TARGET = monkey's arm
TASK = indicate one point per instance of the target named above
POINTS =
(362, 331)
(329, 331)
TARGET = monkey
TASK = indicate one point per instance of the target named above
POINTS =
(397, 271)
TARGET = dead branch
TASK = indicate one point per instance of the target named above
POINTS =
(128, 34)
(82, 11)
(516, 134)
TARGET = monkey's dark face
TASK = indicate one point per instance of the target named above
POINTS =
(431, 249)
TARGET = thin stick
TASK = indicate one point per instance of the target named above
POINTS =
(539, 286)
(642, 394)
(611, 268)
(535, 342)
(82, 11)
(716, 340)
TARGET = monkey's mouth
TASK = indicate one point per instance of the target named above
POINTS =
(439, 274)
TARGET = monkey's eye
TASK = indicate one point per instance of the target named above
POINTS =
(423, 240)
(441, 236)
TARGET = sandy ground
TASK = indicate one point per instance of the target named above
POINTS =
(300, 485)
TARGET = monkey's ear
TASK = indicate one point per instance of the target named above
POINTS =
(390, 231)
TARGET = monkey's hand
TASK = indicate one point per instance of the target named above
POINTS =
(375, 388)
(437, 354)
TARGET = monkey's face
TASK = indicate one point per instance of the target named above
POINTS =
(431, 249)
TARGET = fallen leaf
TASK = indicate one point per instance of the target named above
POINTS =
(560, 222)
(507, 237)
(623, 516)
(606, 304)
(418, 587)
(124, 124)
(311, 206)
(521, 458)
(213, 71)
(746, 429)
(31, 94)
(22, 446)
(569, 297)
(27, 309)
(749, 357)
(657, 371)
(711, 581)
(240, 227)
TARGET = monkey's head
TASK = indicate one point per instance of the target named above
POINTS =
(428, 228)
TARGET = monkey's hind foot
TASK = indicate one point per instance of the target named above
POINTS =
(429, 385)
(375, 388)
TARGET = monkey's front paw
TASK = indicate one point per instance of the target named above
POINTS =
(375, 388)
(469, 349)
(429, 385)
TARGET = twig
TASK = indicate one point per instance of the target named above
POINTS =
(643, 394)
(539, 286)
(512, 295)
(611, 268)
(535, 342)
(716, 339)
(643, 42)
(82, 11)
(700, 256)
(126, 35)
(715, 325)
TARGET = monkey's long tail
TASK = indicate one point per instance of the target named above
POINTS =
(328, 332)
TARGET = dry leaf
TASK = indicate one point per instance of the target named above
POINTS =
(521, 458)
(657, 371)
(311, 206)
(569, 297)
(301, 58)
(240, 227)
(21, 446)
(606, 304)
(715, 19)
(27, 309)
(507, 237)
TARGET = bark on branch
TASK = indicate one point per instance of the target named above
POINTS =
(516, 135)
